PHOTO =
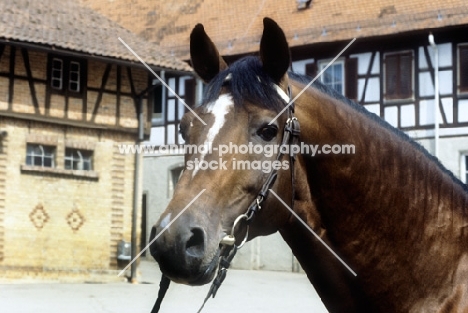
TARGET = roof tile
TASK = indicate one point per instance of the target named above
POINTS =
(69, 25)
(236, 26)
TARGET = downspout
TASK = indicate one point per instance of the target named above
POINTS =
(136, 191)
(436, 95)
(136, 180)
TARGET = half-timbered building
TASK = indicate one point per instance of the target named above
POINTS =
(408, 65)
(71, 95)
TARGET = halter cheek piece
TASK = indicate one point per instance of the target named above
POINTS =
(229, 248)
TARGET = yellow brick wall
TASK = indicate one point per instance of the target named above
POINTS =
(53, 246)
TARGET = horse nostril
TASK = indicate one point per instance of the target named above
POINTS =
(196, 244)
(153, 233)
(153, 247)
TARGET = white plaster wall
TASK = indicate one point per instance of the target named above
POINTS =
(450, 152)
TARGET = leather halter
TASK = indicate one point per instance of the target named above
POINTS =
(229, 248)
(291, 134)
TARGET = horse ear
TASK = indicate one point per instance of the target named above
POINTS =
(206, 60)
(274, 50)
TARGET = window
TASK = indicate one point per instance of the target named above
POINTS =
(39, 155)
(74, 77)
(174, 175)
(56, 80)
(333, 76)
(158, 107)
(66, 75)
(76, 159)
(190, 92)
(398, 68)
(463, 68)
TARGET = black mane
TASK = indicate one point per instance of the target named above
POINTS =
(248, 82)
(331, 92)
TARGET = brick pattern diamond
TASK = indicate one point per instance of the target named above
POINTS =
(39, 216)
(75, 220)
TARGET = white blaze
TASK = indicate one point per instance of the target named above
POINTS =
(165, 221)
(219, 109)
(282, 94)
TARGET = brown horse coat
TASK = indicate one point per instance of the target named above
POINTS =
(390, 210)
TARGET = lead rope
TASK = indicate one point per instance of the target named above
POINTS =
(224, 264)
(163, 286)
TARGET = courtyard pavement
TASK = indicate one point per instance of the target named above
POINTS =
(242, 291)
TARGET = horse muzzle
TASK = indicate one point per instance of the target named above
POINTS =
(183, 255)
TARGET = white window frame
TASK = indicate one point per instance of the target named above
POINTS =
(56, 74)
(77, 81)
(43, 154)
(323, 63)
(80, 161)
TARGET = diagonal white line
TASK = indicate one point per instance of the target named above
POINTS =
(161, 80)
(162, 231)
(312, 81)
(313, 233)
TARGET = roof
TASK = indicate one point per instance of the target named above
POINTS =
(69, 25)
(236, 26)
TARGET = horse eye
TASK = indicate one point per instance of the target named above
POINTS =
(268, 132)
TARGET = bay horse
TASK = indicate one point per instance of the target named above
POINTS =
(390, 210)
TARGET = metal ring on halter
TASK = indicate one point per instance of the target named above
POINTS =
(238, 219)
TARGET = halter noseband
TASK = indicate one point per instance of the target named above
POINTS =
(229, 248)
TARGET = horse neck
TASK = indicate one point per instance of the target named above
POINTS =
(386, 170)
(377, 205)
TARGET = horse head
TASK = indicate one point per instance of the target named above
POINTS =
(230, 157)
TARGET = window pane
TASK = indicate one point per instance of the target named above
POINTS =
(57, 84)
(87, 165)
(333, 76)
(74, 76)
(76, 159)
(157, 97)
(327, 77)
(74, 66)
(57, 64)
(74, 87)
(48, 162)
(339, 88)
(338, 72)
(57, 73)
(37, 160)
(48, 151)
